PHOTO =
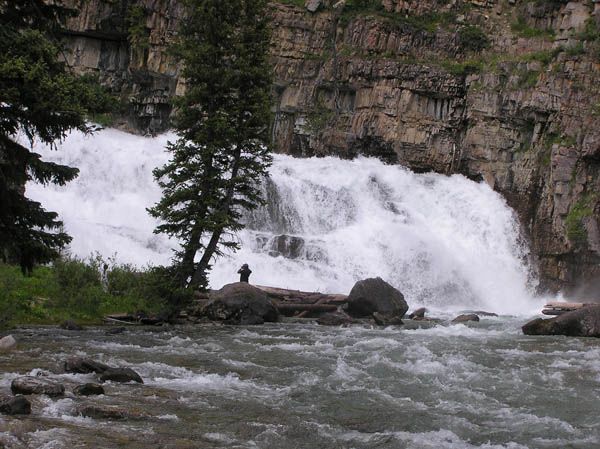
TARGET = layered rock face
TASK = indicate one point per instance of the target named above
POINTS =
(503, 91)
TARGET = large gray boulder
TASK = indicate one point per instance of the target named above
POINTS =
(375, 295)
(584, 322)
(36, 385)
(241, 303)
(120, 375)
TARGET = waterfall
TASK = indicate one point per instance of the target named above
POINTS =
(443, 241)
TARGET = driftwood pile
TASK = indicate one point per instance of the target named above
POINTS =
(558, 308)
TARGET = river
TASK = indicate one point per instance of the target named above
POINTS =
(280, 386)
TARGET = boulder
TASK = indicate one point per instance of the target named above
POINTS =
(419, 313)
(375, 295)
(7, 343)
(335, 319)
(36, 385)
(71, 326)
(466, 317)
(88, 389)
(386, 319)
(80, 365)
(584, 322)
(241, 303)
(120, 375)
(15, 405)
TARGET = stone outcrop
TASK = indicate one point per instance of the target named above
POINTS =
(412, 84)
(374, 295)
(7, 343)
(584, 322)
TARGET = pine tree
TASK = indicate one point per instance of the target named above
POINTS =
(222, 122)
(41, 99)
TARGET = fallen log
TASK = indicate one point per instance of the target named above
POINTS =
(559, 307)
(282, 294)
(298, 307)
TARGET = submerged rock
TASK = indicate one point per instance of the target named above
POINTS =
(386, 319)
(108, 412)
(81, 365)
(36, 385)
(375, 295)
(584, 322)
(88, 389)
(335, 319)
(241, 303)
(16, 405)
(115, 331)
(7, 343)
(71, 325)
(465, 318)
(120, 375)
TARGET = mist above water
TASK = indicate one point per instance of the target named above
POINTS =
(443, 241)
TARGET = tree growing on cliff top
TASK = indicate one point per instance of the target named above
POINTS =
(222, 122)
(41, 99)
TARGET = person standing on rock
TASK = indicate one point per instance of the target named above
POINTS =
(244, 273)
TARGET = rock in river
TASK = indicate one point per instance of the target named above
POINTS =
(584, 322)
(120, 375)
(109, 412)
(386, 319)
(80, 365)
(466, 317)
(375, 295)
(71, 325)
(88, 389)
(36, 385)
(241, 303)
(15, 405)
(335, 319)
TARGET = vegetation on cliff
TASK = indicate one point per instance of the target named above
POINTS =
(222, 122)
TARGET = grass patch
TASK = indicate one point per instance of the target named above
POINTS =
(522, 29)
(473, 38)
(77, 289)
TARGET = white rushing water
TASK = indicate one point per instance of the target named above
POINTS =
(443, 241)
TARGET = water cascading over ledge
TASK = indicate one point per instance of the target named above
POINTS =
(443, 241)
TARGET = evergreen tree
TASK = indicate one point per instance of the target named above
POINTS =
(222, 122)
(41, 99)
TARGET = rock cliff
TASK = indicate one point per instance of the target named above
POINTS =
(503, 91)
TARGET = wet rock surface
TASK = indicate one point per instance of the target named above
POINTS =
(386, 319)
(36, 385)
(584, 322)
(16, 405)
(375, 295)
(335, 319)
(108, 412)
(89, 389)
(120, 375)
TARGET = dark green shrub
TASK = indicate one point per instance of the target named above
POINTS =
(473, 38)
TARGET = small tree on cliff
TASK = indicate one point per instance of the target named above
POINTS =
(222, 122)
(41, 99)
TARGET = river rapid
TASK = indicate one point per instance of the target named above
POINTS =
(291, 386)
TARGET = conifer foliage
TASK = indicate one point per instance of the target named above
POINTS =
(222, 123)
(41, 99)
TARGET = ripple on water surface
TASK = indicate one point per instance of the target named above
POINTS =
(482, 385)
